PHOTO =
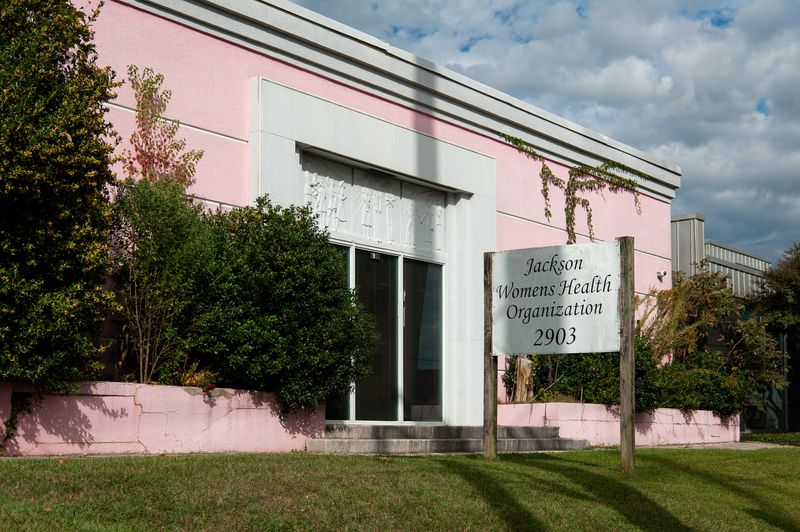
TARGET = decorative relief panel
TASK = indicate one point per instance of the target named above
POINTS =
(328, 188)
(375, 208)
(423, 214)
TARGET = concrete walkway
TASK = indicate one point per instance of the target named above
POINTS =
(734, 445)
(744, 445)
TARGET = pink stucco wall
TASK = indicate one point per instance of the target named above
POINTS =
(599, 424)
(209, 81)
(127, 418)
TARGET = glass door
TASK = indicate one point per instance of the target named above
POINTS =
(399, 388)
(422, 341)
(376, 286)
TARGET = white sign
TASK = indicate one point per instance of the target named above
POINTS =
(560, 299)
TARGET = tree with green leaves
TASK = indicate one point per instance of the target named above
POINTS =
(777, 301)
(280, 316)
(161, 242)
(715, 357)
(162, 249)
(54, 176)
(156, 154)
(778, 298)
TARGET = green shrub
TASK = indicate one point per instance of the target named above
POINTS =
(255, 297)
(594, 378)
(54, 172)
(164, 254)
(781, 438)
(715, 358)
(279, 316)
(693, 351)
(778, 297)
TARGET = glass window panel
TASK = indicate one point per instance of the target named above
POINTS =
(422, 341)
(376, 284)
(337, 407)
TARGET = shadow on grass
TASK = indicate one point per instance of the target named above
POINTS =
(631, 504)
(764, 509)
(498, 497)
(634, 506)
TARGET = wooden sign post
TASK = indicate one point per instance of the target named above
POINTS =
(489, 366)
(627, 356)
(560, 300)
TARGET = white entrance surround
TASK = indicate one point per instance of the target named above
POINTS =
(286, 121)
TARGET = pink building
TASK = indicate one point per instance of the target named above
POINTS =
(402, 159)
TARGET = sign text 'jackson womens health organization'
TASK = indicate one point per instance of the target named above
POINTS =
(560, 299)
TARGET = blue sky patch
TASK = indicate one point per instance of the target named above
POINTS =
(762, 106)
(581, 10)
(504, 15)
(521, 39)
(719, 18)
(467, 46)
(416, 34)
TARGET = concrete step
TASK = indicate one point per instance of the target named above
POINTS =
(435, 446)
(432, 439)
(381, 432)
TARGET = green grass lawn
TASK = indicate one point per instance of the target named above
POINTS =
(673, 489)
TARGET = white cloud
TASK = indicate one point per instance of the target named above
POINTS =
(710, 85)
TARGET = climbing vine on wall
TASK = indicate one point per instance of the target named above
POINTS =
(582, 179)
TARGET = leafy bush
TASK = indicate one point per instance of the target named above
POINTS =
(163, 253)
(279, 316)
(593, 378)
(54, 172)
(162, 245)
(253, 298)
(693, 351)
(778, 297)
(715, 358)
(784, 438)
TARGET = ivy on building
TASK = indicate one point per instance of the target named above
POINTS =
(582, 179)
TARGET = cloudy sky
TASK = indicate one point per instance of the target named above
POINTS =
(711, 86)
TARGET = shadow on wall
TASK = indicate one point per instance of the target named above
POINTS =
(54, 418)
(696, 422)
(118, 418)
(301, 423)
(600, 423)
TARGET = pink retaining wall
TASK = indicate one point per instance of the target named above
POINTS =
(127, 418)
(599, 424)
